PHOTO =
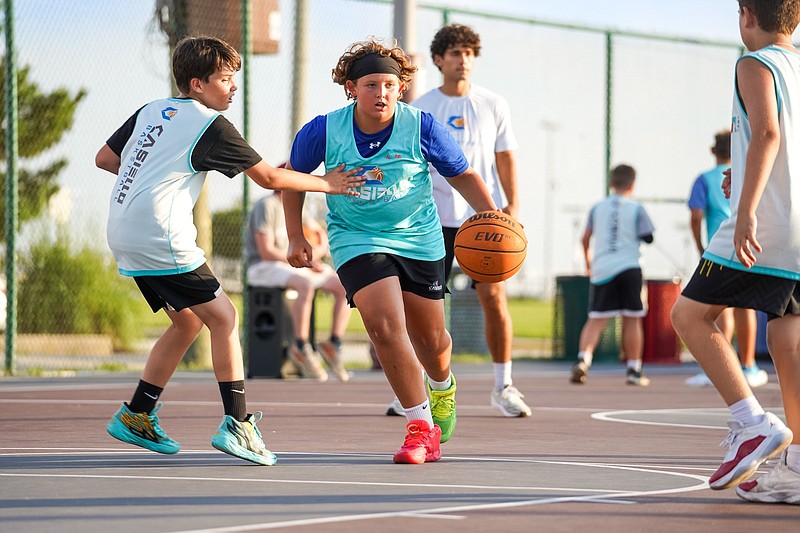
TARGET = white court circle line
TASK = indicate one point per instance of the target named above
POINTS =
(601, 495)
(609, 416)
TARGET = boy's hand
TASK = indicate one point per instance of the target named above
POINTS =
(744, 239)
(299, 253)
(344, 182)
(726, 183)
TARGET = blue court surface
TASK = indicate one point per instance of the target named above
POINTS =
(602, 456)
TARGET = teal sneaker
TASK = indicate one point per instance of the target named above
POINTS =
(141, 429)
(243, 440)
(443, 408)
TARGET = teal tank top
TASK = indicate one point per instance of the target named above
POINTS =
(718, 208)
(394, 212)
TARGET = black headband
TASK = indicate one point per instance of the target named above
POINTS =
(373, 64)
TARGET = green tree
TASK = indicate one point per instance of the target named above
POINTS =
(43, 120)
(68, 289)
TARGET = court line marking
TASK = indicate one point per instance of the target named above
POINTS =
(202, 403)
(609, 416)
(463, 508)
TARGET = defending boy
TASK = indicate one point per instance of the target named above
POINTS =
(753, 261)
(161, 156)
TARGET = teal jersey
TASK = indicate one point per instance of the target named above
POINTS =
(718, 208)
(394, 212)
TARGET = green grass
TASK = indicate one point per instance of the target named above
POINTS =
(531, 318)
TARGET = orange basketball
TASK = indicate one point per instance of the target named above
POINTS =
(490, 246)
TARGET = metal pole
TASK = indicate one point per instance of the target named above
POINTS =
(12, 192)
(247, 52)
(405, 26)
(609, 96)
(300, 70)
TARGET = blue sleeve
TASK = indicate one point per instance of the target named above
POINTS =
(440, 149)
(308, 148)
(698, 198)
(644, 226)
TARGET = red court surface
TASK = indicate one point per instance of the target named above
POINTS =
(601, 456)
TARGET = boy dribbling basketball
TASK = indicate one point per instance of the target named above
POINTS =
(387, 243)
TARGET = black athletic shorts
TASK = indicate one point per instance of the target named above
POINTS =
(423, 278)
(622, 296)
(179, 291)
(718, 285)
(449, 252)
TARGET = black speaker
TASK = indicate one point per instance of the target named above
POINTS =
(269, 332)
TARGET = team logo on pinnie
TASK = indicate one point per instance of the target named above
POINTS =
(169, 112)
(373, 174)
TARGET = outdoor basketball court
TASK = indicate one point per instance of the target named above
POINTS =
(603, 456)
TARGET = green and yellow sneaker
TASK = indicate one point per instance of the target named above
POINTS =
(443, 408)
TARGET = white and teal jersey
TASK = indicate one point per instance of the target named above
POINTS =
(778, 212)
(618, 225)
(394, 212)
(150, 224)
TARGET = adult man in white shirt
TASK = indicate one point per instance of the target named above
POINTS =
(480, 121)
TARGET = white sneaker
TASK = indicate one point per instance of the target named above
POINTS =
(779, 485)
(395, 408)
(755, 376)
(333, 357)
(748, 447)
(509, 401)
(700, 380)
(308, 362)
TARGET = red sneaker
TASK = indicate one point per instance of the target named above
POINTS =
(421, 444)
(748, 447)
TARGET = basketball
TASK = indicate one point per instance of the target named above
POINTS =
(490, 246)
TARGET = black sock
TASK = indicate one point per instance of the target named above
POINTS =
(145, 398)
(336, 341)
(300, 343)
(233, 400)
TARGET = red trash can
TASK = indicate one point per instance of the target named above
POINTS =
(661, 342)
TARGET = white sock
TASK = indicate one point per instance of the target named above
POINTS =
(586, 357)
(502, 375)
(440, 385)
(635, 364)
(747, 412)
(420, 412)
(793, 458)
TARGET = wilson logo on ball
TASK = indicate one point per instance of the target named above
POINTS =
(490, 246)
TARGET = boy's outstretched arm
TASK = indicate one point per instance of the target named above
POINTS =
(107, 160)
(756, 87)
(337, 181)
(470, 185)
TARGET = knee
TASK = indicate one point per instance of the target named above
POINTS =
(189, 324)
(680, 316)
(304, 288)
(224, 322)
(435, 341)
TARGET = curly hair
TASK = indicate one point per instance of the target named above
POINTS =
(781, 16)
(341, 73)
(455, 35)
